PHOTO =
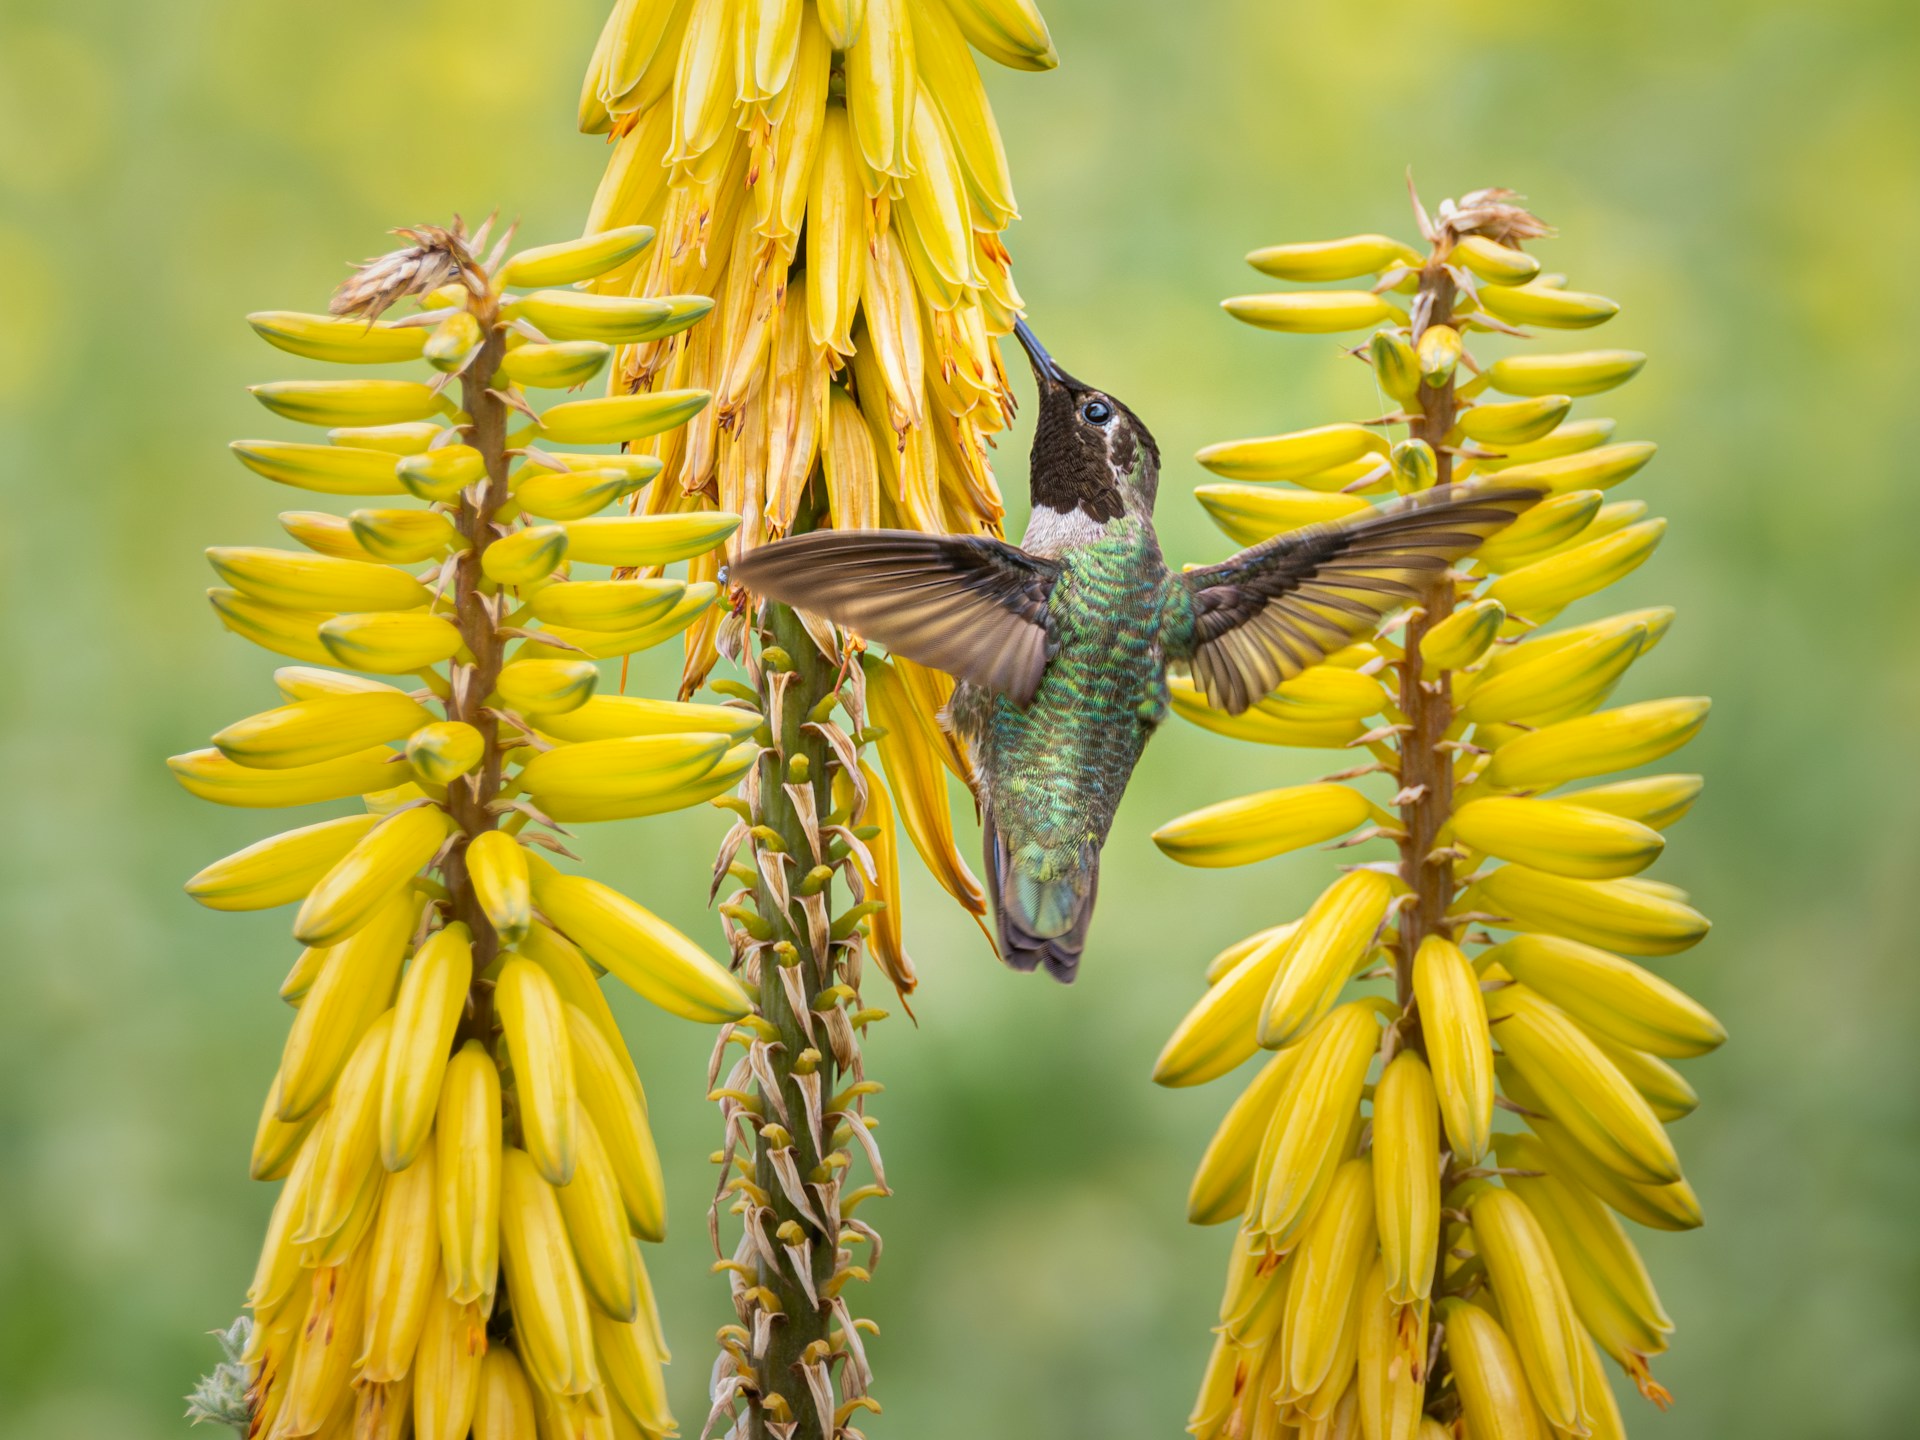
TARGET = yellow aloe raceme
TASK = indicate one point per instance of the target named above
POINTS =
(832, 175)
(458, 1126)
(1402, 1265)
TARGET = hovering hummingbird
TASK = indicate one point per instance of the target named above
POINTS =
(1061, 645)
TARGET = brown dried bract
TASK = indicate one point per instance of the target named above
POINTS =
(437, 255)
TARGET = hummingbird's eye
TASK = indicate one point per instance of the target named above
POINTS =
(1097, 412)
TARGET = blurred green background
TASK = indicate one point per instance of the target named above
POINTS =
(1739, 175)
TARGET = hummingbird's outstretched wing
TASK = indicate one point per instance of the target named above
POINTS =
(966, 604)
(1268, 613)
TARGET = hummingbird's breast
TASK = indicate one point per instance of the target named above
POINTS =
(1054, 772)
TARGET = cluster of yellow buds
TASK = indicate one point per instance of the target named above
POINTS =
(832, 174)
(830, 171)
(1402, 1268)
(460, 1130)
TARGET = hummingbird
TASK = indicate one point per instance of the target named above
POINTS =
(1060, 646)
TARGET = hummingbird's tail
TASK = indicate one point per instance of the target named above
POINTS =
(1041, 923)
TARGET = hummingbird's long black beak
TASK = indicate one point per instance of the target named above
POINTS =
(1046, 371)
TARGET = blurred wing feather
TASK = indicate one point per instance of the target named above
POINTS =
(966, 604)
(1270, 612)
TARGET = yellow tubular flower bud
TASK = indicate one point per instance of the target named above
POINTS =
(1605, 1279)
(354, 984)
(1546, 306)
(1494, 1398)
(497, 870)
(1597, 744)
(388, 643)
(1659, 1207)
(442, 752)
(572, 261)
(1547, 683)
(1011, 32)
(949, 80)
(1396, 366)
(1406, 1157)
(1559, 838)
(1257, 827)
(403, 1268)
(503, 1408)
(1491, 260)
(551, 1309)
(1328, 1268)
(1655, 800)
(582, 781)
(1292, 456)
(1223, 1182)
(1437, 353)
(467, 1147)
(610, 1098)
(279, 1267)
(596, 1223)
(533, 1020)
(277, 1143)
(1316, 1114)
(447, 1368)
(525, 556)
(1392, 1356)
(1534, 1304)
(630, 1361)
(612, 320)
(1581, 468)
(280, 869)
(652, 957)
(1222, 1029)
(1516, 422)
(326, 534)
(401, 537)
(1613, 914)
(1249, 515)
(1335, 937)
(349, 402)
(425, 1016)
(316, 1381)
(1314, 312)
(454, 341)
(1587, 373)
(606, 604)
(1453, 1017)
(1581, 1088)
(326, 469)
(338, 341)
(1547, 586)
(324, 728)
(347, 896)
(347, 1141)
(633, 540)
(442, 473)
(1463, 637)
(1345, 259)
(1610, 997)
(541, 687)
(618, 717)
(212, 776)
(295, 581)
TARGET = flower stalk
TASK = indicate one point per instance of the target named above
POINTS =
(833, 176)
(457, 1121)
(1431, 1182)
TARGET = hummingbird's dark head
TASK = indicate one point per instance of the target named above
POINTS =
(1090, 452)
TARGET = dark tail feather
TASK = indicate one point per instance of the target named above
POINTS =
(1021, 947)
